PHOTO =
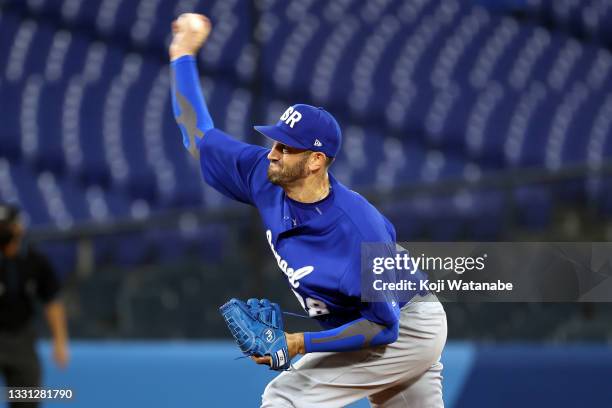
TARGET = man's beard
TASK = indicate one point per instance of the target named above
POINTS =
(286, 175)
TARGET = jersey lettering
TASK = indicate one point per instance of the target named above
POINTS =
(293, 275)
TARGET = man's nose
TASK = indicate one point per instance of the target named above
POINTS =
(274, 154)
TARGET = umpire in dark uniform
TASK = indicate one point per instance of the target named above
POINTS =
(26, 279)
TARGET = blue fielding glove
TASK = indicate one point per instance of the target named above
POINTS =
(257, 327)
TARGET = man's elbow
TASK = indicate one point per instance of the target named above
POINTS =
(393, 334)
(387, 336)
(192, 139)
(194, 150)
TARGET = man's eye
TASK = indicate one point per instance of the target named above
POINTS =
(285, 150)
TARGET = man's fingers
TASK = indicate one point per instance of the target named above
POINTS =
(189, 33)
(267, 360)
(194, 23)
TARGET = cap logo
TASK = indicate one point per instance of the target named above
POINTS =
(291, 117)
(318, 143)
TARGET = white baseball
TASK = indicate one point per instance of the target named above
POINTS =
(189, 33)
(191, 21)
(196, 23)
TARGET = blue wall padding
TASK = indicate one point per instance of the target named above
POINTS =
(530, 376)
(206, 374)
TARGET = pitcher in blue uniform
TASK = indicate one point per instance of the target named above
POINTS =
(386, 351)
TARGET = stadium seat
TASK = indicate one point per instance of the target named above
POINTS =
(9, 25)
(11, 94)
(49, 154)
(533, 206)
(27, 188)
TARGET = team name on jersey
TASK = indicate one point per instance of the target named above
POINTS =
(293, 275)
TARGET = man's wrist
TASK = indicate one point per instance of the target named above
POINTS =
(296, 342)
(59, 340)
(178, 53)
(183, 58)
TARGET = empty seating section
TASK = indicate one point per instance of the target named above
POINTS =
(588, 19)
(426, 90)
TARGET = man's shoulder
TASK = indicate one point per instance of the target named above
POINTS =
(363, 218)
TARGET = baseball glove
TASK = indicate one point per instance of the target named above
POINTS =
(257, 327)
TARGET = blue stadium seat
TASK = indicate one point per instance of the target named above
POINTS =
(446, 118)
(231, 34)
(575, 149)
(371, 150)
(487, 217)
(62, 256)
(533, 206)
(341, 56)
(75, 57)
(95, 168)
(11, 94)
(533, 153)
(50, 143)
(408, 225)
(461, 47)
(8, 190)
(159, 30)
(410, 170)
(82, 14)
(30, 197)
(494, 57)
(584, 19)
(535, 44)
(118, 18)
(488, 134)
(563, 118)
(140, 181)
(476, 215)
(75, 199)
(9, 25)
(37, 53)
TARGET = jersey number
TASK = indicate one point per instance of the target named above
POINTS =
(314, 307)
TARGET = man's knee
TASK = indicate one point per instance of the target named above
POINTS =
(424, 391)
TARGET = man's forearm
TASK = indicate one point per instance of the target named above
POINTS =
(355, 335)
(295, 343)
(56, 319)
(190, 110)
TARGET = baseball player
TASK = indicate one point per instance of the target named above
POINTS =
(386, 351)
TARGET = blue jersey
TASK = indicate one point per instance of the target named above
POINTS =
(321, 257)
(317, 247)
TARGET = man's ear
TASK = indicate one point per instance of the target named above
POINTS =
(317, 161)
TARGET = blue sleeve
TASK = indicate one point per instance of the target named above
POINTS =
(233, 168)
(227, 164)
(188, 104)
(355, 335)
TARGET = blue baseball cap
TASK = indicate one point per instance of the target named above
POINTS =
(306, 127)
